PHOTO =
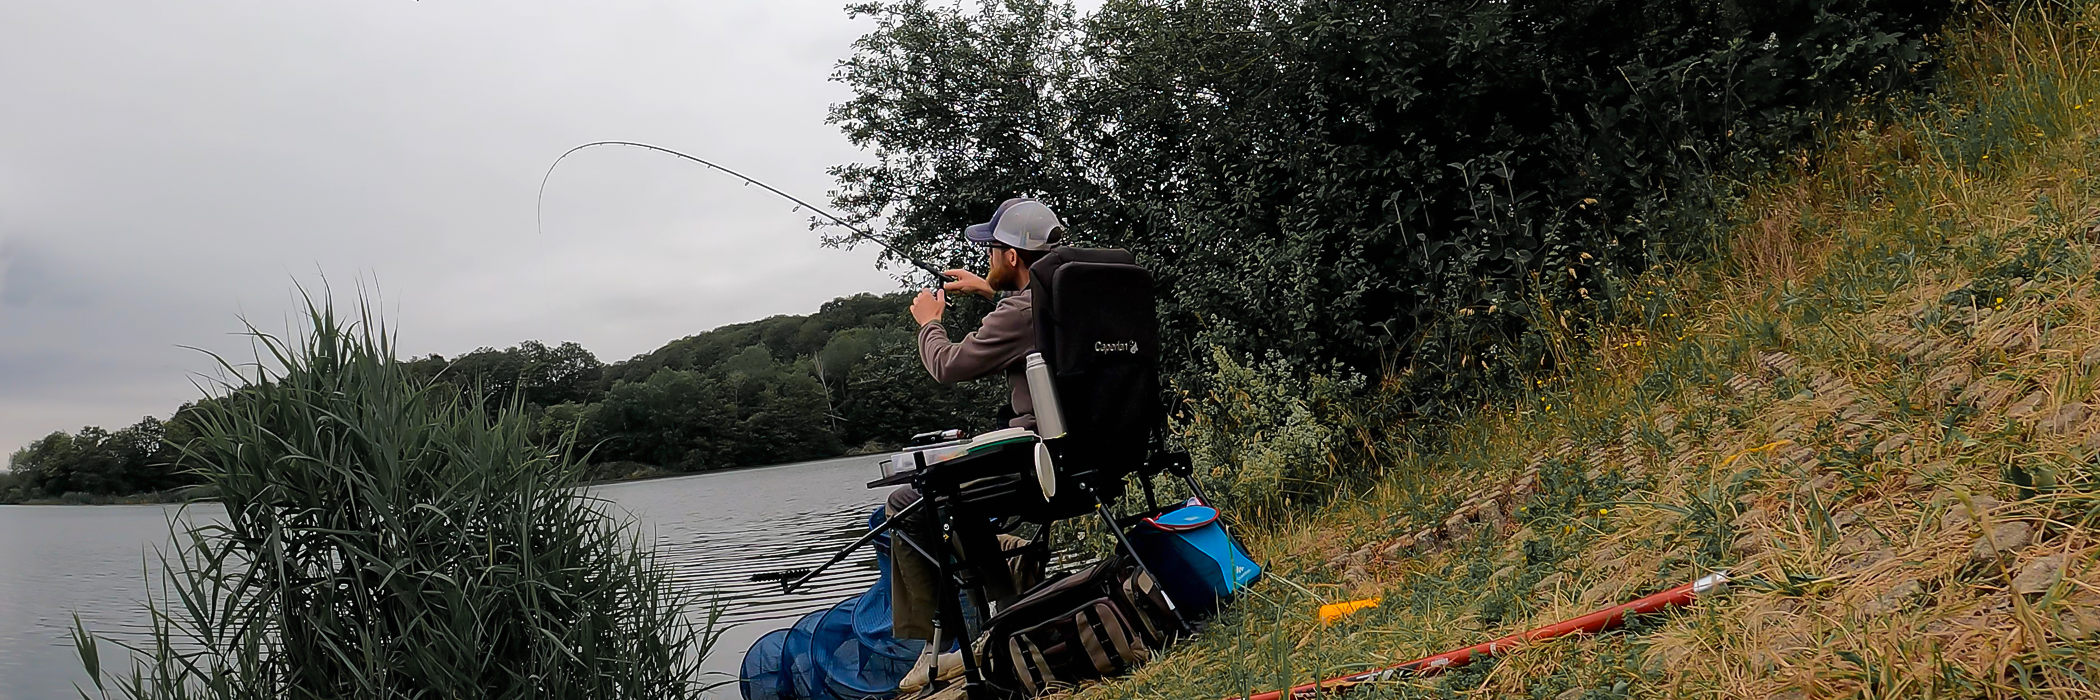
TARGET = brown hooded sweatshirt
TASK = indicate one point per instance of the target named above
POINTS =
(1001, 344)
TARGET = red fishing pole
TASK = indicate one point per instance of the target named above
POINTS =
(1431, 665)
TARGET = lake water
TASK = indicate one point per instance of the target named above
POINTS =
(715, 530)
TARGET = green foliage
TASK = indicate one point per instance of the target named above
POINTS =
(97, 462)
(1262, 436)
(782, 389)
(387, 537)
(530, 371)
(12, 489)
(889, 397)
(782, 337)
(1386, 184)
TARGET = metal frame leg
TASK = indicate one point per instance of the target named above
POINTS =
(948, 607)
(1101, 507)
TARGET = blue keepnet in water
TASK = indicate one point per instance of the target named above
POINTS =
(841, 652)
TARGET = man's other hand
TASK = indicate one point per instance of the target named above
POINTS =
(968, 282)
(927, 307)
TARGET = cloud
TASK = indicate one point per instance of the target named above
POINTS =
(27, 276)
(167, 170)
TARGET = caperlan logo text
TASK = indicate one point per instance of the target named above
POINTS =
(1129, 346)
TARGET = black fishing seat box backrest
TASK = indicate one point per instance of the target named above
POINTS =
(1097, 328)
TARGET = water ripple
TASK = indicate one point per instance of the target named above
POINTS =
(714, 531)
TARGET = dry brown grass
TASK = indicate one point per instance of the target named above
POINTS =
(1773, 246)
(1909, 328)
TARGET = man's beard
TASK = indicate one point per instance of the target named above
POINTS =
(1004, 278)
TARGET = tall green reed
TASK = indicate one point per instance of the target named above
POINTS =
(386, 538)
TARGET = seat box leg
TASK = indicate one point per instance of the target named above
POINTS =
(1108, 518)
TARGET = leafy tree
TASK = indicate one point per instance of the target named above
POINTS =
(530, 372)
(786, 421)
(1407, 184)
(133, 460)
(847, 348)
(677, 418)
(890, 397)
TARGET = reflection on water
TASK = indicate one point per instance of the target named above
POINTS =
(715, 530)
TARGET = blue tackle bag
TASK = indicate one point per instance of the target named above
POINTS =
(1194, 558)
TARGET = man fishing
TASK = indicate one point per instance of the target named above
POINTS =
(1020, 232)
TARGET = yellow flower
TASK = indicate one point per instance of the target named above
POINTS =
(1603, 511)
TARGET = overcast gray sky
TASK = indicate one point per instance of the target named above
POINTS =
(168, 168)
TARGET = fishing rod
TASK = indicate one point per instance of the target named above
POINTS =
(539, 206)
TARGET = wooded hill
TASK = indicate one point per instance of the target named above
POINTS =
(781, 389)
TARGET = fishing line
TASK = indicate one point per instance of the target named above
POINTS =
(540, 215)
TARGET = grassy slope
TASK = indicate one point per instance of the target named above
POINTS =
(1912, 318)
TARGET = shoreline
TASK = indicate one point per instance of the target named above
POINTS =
(163, 498)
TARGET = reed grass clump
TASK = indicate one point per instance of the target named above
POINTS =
(386, 538)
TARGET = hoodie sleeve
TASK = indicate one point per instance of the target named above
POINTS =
(1006, 336)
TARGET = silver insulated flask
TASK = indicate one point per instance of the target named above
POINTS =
(1049, 419)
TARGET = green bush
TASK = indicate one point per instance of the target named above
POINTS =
(388, 537)
(1262, 437)
(1388, 184)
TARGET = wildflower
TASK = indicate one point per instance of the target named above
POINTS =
(1603, 511)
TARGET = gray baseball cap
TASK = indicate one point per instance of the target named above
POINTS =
(1021, 223)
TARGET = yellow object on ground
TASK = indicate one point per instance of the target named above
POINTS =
(1330, 613)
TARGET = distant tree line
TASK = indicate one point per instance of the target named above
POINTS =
(94, 463)
(782, 389)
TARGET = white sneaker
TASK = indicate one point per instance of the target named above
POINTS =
(945, 667)
(949, 666)
(916, 678)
